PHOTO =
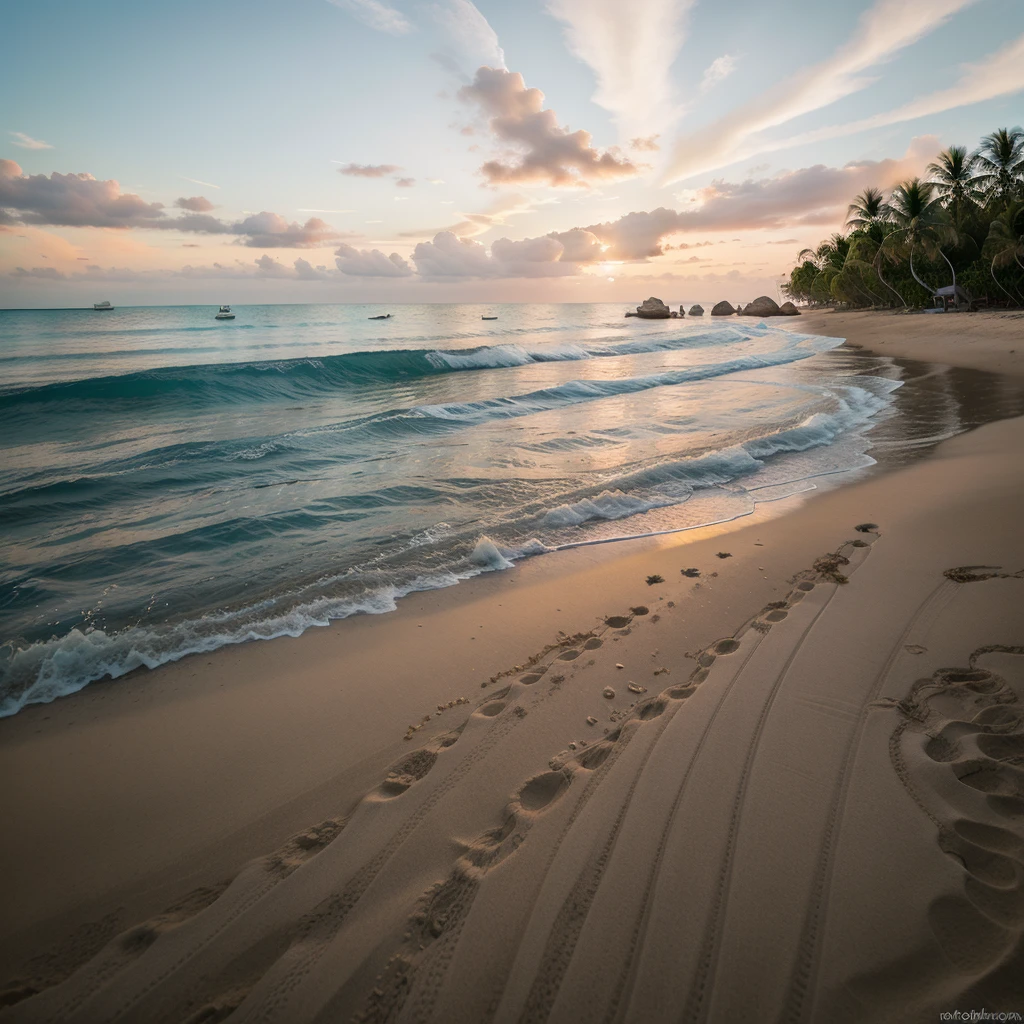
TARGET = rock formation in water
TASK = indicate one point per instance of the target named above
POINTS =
(788, 309)
(761, 306)
(696, 310)
(723, 308)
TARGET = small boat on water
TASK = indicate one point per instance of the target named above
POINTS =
(382, 316)
(102, 307)
(488, 318)
(225, 314)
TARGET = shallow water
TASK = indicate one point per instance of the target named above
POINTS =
(171, 484)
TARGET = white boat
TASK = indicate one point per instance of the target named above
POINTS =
(102, 306)
(225, 314)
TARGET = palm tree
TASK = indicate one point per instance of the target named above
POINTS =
(1006, 242)
(1000, 158)
(917, 214)
(866, 209)
(954, 180)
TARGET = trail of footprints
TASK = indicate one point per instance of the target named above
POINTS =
(434, 925)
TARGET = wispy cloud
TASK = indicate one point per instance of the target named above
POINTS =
(27, 142)
(376, 15)
(303, 209)
(196, 181)
(469, 32)
(718, 70)
(999, 74)
(630, 47)
(885, 29)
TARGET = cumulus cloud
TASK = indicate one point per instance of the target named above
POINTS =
(376, 15)
(405, 182)
(448, 256)
(368, 170)
(196, 204)
(551, 155)
(27, 142)
(79, 200)
(718, 70)
(886, 28)
(71, 200)
(270, 230)
(630, 48)
(579, 245)
(370, 263)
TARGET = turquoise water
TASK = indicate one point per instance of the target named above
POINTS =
(170, 484)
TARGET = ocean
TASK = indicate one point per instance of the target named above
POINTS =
(170, 484)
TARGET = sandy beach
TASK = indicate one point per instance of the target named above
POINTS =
(782, 783)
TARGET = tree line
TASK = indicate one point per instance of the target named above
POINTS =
(962, 225)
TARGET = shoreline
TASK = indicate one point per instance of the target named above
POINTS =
(168, 780)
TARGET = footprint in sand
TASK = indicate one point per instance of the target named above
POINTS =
(593, 643)
(533, 677)
(542, 790)
(569, 655)
(409, 770)
(727, 646)
(618, 621)
(490, 710)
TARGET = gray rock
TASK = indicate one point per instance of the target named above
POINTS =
(682, 312)
(723, 308)
(761, 306)
(696, 311)
(653, 309)
(788, 309)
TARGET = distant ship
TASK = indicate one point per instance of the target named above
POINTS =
(225, 314)
(104, 306)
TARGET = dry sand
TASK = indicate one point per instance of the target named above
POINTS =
(802, 800)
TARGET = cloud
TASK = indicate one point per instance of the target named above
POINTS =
(370, 263)
(630, 47)
(579, 245)
(648, 144)
(196, 204)
(405, 182)
(718, 70)
(448, 256)
(71, 200)
(79, 200)
(999, 74)
(811, 195)
(196, 181)
(27, 142)
(882, 31)
(368, 170)
(376, 15)
(44, 273)
(553, 155)
(472, 224)
(270, 230)
(469, 32)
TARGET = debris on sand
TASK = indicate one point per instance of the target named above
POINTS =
(651, 580)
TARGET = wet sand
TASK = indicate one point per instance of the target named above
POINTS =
(799, 797)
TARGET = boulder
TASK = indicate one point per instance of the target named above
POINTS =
(696, 311)
(761, 306)
(674, 315)
(788, 309)
(682, 312)
(653, 309)
(723, 308)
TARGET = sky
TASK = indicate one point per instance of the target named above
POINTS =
(440, 151)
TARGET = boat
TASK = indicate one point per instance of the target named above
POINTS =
(102, 307)
(383, 316)
(225, 314)
(488, 318)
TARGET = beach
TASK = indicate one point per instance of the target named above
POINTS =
(781, 782)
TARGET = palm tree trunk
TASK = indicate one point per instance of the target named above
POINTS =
(950, 265)
(927, 287)
(992, 271)
(878, 271)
